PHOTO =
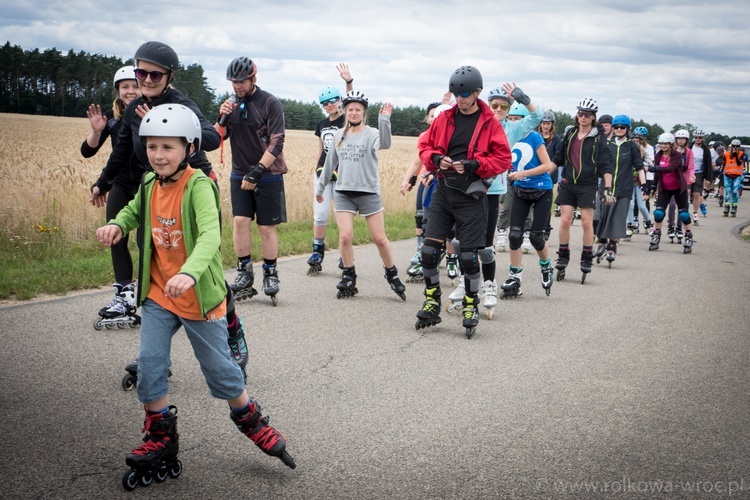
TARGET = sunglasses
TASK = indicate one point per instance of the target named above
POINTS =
(156, 76)
(585, 114)
(502, 105)
(619, 127)
(333, 100)
(462, 94)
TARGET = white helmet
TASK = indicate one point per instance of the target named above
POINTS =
(124, 73)
(735, 142)
(171, 120)
(698, 133)
(666, 137)
(682, 134)
(588, 104)
(441, 108)
(355, 96)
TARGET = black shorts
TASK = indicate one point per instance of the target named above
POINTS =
(449, 207)
(266, 203)
(697, 186)
(576, 195)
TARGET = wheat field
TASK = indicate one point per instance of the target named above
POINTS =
(44, 180)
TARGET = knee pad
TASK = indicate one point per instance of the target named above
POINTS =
(537, 240)
(659, 214)
(419, 218)
(486, 255)
(515, 237)
(469, 262)
(430, 252)
(685, 217)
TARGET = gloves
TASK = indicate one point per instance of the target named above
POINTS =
(470, 166)
(520, 97)
(255, 174)
(436, 159)
(413, 180)
(608, 199)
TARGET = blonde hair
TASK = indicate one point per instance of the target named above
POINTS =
(347, 124)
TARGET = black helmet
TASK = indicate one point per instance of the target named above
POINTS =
(158, 53)
(241, 69)
(465, 79)
(605, 119)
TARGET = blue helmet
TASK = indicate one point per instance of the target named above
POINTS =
(499, 93)
(329, 93)
(621, 120)
(641, 131)
(518, 109)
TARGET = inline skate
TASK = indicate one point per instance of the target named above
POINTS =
(636, 226)
(451, 267)
(391, 274)
(271, 282)
(254, 425)
(649, 226)
(512, 286)
(501, 243)
(470, 314)
(733, 210)
(586, 259)
(563, 259)
(156, 458)
(611, 252)
(131, 377)
(678, 234)
(704, 210)
(347, 287)
(601, 249)
(547, 276)
(456, 297)
(557, 211)
(242, 288)
(576, 214)
(120, 313)
(316, 259)
(655, 239)
(671, 233)
(689, 241)
(727, 208)
(695, 218)
(526, 245)
(414, 273)
(489, 297)
(238, 346)
(628, 234)
(429, 315)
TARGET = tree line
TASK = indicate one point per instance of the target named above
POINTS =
(53, 82)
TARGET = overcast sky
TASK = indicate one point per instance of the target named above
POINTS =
(663, 62)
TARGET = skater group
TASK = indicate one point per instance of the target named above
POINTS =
(481, 166)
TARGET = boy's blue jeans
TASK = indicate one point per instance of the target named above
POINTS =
(209, 340)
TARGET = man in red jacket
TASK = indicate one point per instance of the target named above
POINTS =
(467, 147)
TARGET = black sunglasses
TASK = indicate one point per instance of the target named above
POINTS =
(156, 76)
(619, 127)
(585, 114)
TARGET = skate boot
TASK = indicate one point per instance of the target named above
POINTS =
(721, 201)
(601, 249)
(636, 226)
(576, 214)
(121, 311)
(688, 246)
(695, 218)
(242, 288)
(414, 271)
(547, 276)
(547, 232)
(501, 243)
(628, 235)
(563, 258)
(455, 299)
(557, 211)
(611, 252)
(489, 297)
(733, 210)
(649, 225)
(347, 287)
(470, 314)
(316, 259)
(156, 458)
(586, 259)
(678, 234)
(238, 347)
(704, 210)
(255, 426)
(512, 286)
(271, 282)
(131, 378)
(451, 267)
(429, 315)
(727, 208)
(526, 245)
(391, 274)
(655, 238)
(670, 233)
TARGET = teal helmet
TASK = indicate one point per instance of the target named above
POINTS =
(329, 93)
(518, 109)
(499, 93)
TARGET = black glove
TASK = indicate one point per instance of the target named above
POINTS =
(520, 97)
(413, 180)
(470, 166)
(253, 177)
(436, 159)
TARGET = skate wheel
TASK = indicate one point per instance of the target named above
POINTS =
(175, 469)
(610, 265)
(548, 291)
(560, 274)
(147, 478)
(128, 382)
(288, 460)
(98, 324)
(489, 313)
(122, 325)
(109, 326)
(583, 278)
(339, 295)
(470, 331)
(403, 296)
(274, 300)
(130, 480)
(161, 474)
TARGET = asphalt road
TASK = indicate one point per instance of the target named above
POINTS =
(636, 384)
